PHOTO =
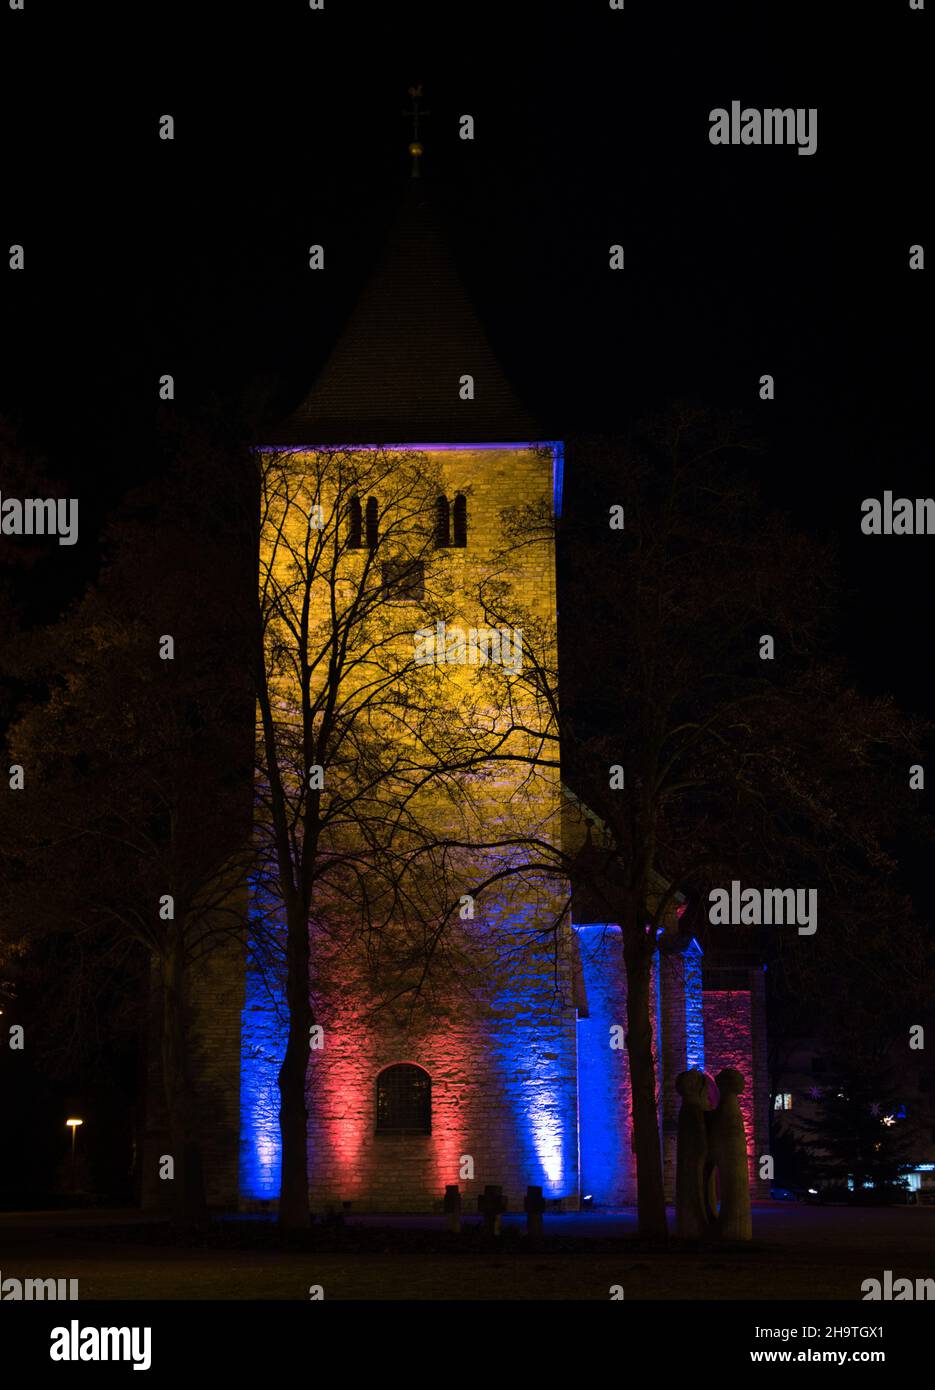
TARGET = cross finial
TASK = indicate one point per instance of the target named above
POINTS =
(415, 145)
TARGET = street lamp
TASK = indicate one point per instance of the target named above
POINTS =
(73, 1126)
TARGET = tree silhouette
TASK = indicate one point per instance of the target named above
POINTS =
(131, 831)
(776, 772)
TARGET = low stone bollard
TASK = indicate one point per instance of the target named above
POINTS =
(491, 1204)
(534, 1206)
(452, 1207)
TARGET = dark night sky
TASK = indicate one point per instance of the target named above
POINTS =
(591, 128)
(190, 257)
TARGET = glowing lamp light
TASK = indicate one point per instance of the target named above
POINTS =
(73, 1126)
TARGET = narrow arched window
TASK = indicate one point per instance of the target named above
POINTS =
(404, 1100)
(373, 528)
(442, 522)
(355, 524)
(460, 518)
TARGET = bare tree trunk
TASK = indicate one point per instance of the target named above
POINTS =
(190, 1208)
(293, 1108)
(650, 1193)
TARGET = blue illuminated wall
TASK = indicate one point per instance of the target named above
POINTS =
(558, 477)
(532, 1051)
(608, 1172)
(263, 1039)
(608, 1167)
(694, 1009)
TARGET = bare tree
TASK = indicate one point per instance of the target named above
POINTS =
(132, 828)
(356, 743)
(732, 766)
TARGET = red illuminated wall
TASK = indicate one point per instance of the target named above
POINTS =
(504, 1091)
(735, 1036)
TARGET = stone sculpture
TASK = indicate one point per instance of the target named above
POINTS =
(727, 1155)
(699, 1096)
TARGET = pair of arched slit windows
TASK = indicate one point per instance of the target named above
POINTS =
(448, 518)
(357, 516)
(363, 526)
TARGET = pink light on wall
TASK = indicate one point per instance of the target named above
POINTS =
(338, 1128)
(729, 1043)
(449, 1136)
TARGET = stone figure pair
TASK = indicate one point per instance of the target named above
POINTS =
(712, 1191)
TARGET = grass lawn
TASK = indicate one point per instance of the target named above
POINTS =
(801, 1253)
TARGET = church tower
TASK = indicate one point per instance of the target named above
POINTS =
(468, 1013)
(477, 1083)
(482, 1044)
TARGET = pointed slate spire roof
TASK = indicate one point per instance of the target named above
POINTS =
(394, 374)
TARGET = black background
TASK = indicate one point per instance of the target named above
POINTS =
(191, 257)
(146, 256)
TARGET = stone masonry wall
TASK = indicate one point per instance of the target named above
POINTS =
(502, 1059)
(217, 1006)
(735, 1036)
